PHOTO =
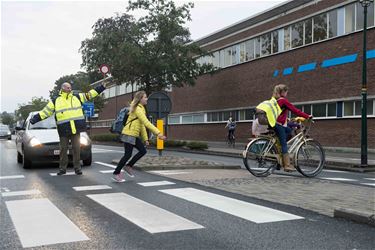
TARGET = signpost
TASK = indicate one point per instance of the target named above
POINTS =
(88, 110)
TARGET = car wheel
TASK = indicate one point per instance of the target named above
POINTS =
(26, 163)
(88, 161)
(9, 138)
(19, 158)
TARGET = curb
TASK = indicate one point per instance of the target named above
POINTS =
(172, 167)
(356, 216)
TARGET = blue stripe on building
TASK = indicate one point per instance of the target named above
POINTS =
(370, 54)
(276, 73)
(288, 71)
(339, 60)
(306, 67)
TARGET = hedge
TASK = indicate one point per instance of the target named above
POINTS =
(105, 137)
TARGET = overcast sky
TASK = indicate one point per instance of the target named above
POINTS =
(40, 40)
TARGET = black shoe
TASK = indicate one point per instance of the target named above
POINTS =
(61, 172)
(78, 172)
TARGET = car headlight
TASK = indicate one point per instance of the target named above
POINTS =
(9, 133)
(34, 142)
(84, 141)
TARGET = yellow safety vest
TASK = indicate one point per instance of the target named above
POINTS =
(272, 109)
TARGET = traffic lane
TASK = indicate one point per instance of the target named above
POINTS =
(354, 178)
(221, 230)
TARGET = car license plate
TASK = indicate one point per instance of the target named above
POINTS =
(56, 152)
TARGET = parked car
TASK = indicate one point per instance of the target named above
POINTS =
(5, 132)
(39, 142)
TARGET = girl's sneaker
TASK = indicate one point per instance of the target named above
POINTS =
(118, 178)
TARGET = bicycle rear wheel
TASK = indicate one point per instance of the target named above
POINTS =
(310, 158)
(258, 157)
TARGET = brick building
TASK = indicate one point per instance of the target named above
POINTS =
(313, 46)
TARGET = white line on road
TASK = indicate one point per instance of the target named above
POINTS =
(337, 179)
(12, 177)
(151, 218)
(67, 173)
(369, 184)
(108, 171)
(17, 193)
(242, 209)
(105, 164)
(100, 150)
(333, 171)
(169, 172)
(39, 222)
(155, 183)
(94, 187)
(371, 179)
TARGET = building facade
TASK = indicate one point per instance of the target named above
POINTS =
(313, 46)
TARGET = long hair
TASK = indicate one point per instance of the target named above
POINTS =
(136, 100)
(278, 89)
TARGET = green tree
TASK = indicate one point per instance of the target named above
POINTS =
(154, 51)
(80, 83)
(36, 104)
(7, 119)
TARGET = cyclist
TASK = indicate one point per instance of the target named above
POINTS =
(282, 130)
(231, 125)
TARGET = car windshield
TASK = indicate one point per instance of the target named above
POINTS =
(4, 128)
(48, 123)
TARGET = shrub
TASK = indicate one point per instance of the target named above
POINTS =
(169, 143)
(105, 137)
(197, 145)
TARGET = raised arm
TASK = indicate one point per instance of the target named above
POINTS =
(46, 112)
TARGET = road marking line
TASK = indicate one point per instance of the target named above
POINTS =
(11, 177)
(369, 184)
(168, 172)
(242, 209)
(94, 187)
(108, 171)
(151, 218)
(105, 164)
(67, 173)
(334, 171)
(337, 179)
(100, 150)
(155, 183)
(39, 222)
(371, 179)
(17, 193)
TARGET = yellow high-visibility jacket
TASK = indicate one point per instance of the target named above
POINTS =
(272, 109)
(137, 123)
(67, 108)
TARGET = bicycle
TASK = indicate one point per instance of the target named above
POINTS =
(262, 155)
(231, 140)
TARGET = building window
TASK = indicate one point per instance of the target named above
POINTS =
(216, 59)
(222, 53)
(241, 115)
(257, 47)
(266, 44)
(358, 108)
(349, 18)
(341, 21)
(242, 52)
(287, 38)
(234, 55)
(348, 108)
(370, 16)
(331, 109)
(249, 114)
(319, 110)
(122, 89)
(308, 31)
(332, 24)
(307, 109)
(227, 57)
(320, 27)
(198, 118)
(249, 46)
(174, 119)
(187, 119)
(297, 34)
(275, 42)
(281, 39)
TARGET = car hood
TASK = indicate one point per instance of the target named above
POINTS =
(44, 135)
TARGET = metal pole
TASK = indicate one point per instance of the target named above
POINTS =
(364, 94)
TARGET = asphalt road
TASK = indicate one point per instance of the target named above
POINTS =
(51, 213)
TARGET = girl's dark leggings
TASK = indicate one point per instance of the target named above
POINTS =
(128, 153)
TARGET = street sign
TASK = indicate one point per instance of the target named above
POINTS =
(104, 68)
(159, 105)
(88, 109)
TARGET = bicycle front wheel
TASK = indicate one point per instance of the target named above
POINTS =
(310, 158)
(259, 157)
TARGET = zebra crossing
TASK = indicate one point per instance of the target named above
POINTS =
(39, 222)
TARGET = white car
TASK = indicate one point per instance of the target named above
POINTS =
(39, 142)
(5, 132)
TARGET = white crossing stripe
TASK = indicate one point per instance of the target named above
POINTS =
(333, 171)
(155, 183)
(17, 193)
(337, 179)
(39, 222)
(12, 177)
(168, 172)
(94, 187)
(371, 179)
(101, 150)
(105, 164)
(67, 173)
(369, 184)
(108, 171)
(147, 216)
(242, 209)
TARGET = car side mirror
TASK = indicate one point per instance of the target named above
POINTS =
(19, 128)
